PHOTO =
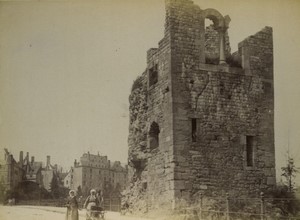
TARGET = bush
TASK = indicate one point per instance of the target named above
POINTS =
(283, 201)
(27, 190)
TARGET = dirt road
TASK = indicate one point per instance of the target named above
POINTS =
(49, 213)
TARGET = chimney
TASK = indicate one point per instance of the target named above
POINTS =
(27, 158)
(48, 161)
(11, 159)
(21, 158)
(75, 163)
(6, 154)
(32, 159)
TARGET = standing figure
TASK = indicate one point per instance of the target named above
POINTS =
(91, 203)
(72, 207)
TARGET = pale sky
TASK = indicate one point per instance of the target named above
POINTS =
(66, 70)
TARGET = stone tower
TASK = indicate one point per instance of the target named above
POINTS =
(201, 117)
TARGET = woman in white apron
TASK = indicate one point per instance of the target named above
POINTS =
(92, 200)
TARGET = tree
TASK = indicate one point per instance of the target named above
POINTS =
(284, 202)
(289, 173)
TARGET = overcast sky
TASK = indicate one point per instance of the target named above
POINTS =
(66, 70)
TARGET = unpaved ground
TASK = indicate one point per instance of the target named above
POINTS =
(49, 213)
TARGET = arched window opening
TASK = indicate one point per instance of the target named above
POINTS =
(215, 36)
(139, 166)
(250, 151)
(194, 130)
(153, 75)
(154, 136)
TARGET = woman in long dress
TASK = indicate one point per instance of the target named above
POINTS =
(91, 201)
(72, 207)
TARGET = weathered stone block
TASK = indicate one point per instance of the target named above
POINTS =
(271, 181)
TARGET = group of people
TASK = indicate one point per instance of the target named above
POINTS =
(95, 199)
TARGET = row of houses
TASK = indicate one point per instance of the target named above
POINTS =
(91, 171)
(14, 172)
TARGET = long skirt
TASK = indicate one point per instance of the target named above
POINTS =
(72, 214)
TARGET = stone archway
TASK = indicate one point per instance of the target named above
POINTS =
(215, 16)
(221, 25)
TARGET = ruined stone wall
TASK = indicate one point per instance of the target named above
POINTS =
(228, 105)
(257, 52)
(137, 139)
(187, 34)
(151, 103)
(160, 172)
(134, 196)
(230, 108)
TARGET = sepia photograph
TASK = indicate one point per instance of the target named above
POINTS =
(149, 109)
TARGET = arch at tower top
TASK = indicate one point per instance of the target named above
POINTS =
(215, 16)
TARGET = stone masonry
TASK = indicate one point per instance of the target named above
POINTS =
(201, 118)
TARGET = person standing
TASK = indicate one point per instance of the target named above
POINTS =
(72, 207)
(90, 203)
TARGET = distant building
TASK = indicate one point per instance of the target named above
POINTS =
(118, 176)
(67, 179)
(61, 177)
(32, 169)
(95, 171)
(11, 172)
(48, 173)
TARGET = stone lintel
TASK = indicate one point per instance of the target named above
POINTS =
(221, 68)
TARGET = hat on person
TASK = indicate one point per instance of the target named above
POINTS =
(72, 192)
(93, 190)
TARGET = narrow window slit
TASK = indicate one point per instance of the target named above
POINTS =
(249, 150)
(194, 129)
